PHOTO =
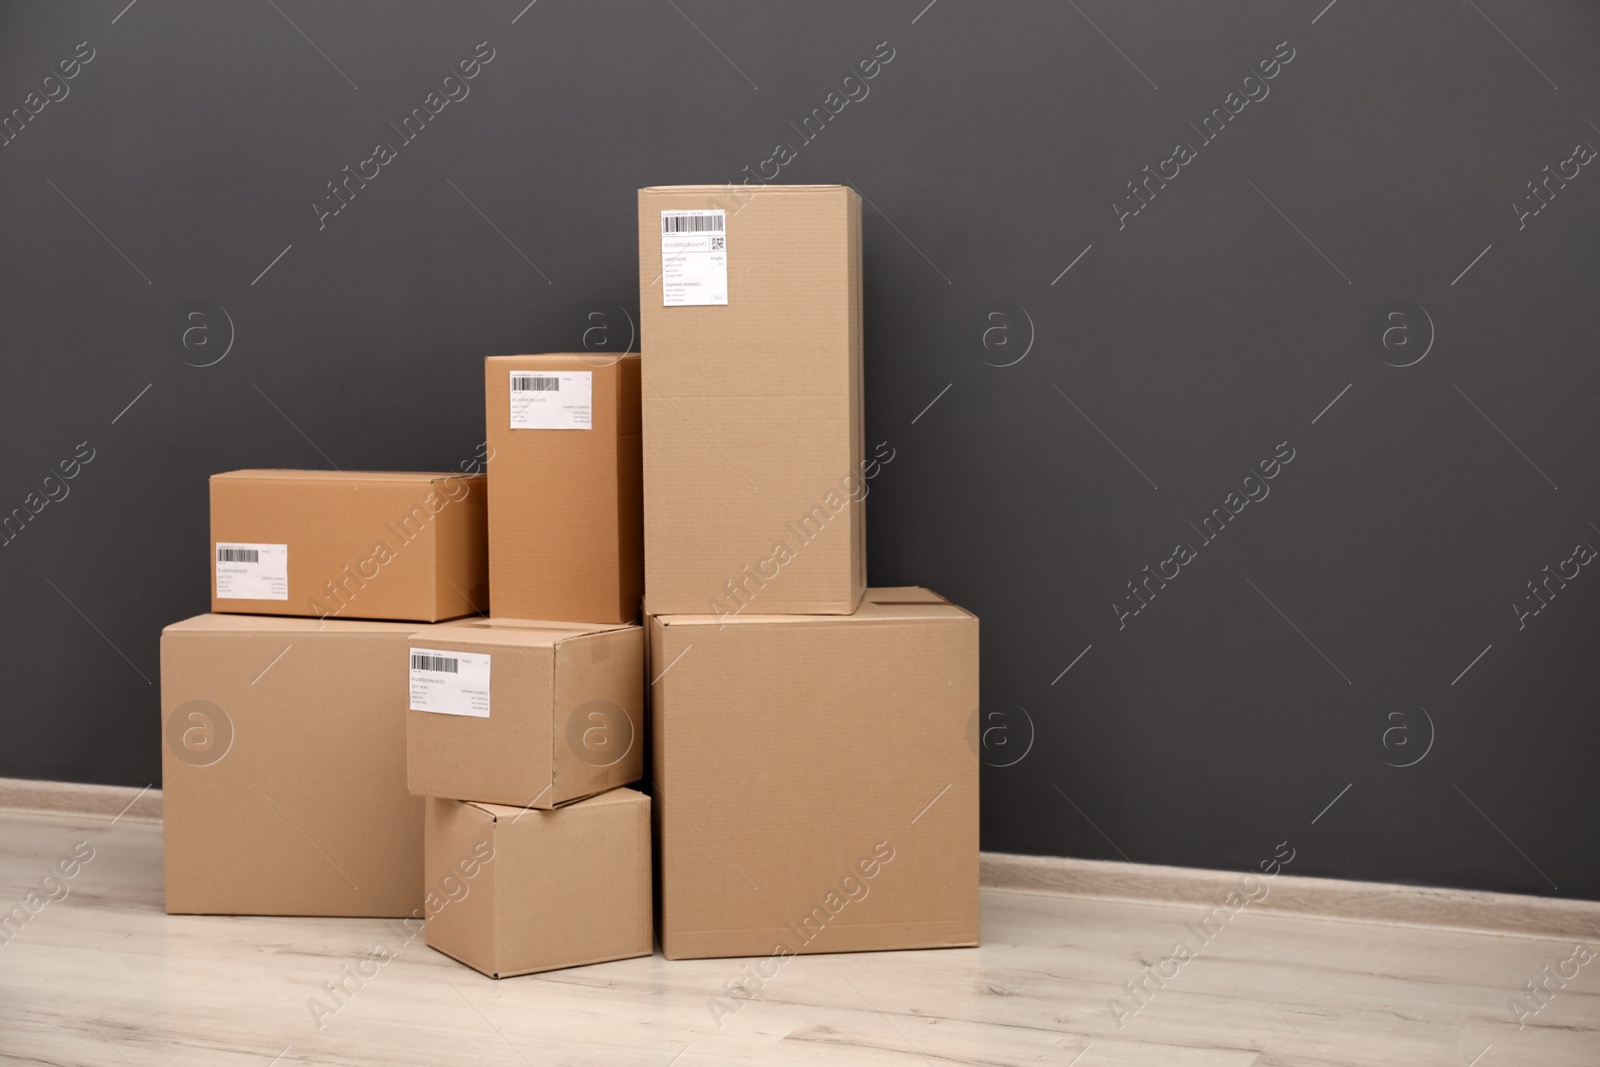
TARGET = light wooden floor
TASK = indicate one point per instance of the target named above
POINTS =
(105, 977)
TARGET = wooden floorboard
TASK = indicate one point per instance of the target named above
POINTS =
(104, 976)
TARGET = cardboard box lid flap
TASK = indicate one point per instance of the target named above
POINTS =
(904, 594)
(420, 477)
(502, 633)
(596, 360)
(621, 795)
(542, 625)
(287, 624)
(763, 191)
(872, 609)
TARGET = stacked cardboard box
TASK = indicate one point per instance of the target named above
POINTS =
(421, 698)
(283, 713)
(325, 756)
(565, 529)
(750, 320)
(526, 726)
(816, 790)
(522, 735)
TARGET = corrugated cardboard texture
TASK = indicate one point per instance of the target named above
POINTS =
(566, 715)
(566, 526)
(754, 447)
(817, 784)
(564, 888)
(362, 544)
(284, 768)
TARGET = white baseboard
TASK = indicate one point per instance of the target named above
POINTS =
(1325, 898)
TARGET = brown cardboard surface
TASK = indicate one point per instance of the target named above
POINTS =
(566, 528)
(362, 544)
(560, 889)
(283, 768)
(754, 448)
(817, 779)
(566, 714)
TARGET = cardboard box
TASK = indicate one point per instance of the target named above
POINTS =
(531, 714)
(755, 461)
(566, 525)
(283, 768)
(816, 779)
(351, 544)
(524, 891)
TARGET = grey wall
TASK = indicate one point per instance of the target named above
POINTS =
(1350, 638)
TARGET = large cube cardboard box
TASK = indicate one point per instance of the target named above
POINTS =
(816, 777)
(566, 527)
(533, 714)
(283, 768)
(528, 890)
(754, 459)
(349, 544)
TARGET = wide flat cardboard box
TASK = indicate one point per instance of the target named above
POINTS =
(283, 768)
(531, 714)
(754, 453)
(529, 890)
(816, 779)
(349, 544)
(566, 525)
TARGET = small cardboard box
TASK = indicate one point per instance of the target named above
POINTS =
(755, 467)
(530, 890)
(530, 714)
(349, 544)
(283, 768)
(566, 526)
(816, 779)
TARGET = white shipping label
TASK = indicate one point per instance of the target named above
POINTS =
(694, 258)
(450, 683)
(252, 572)
(552, 400)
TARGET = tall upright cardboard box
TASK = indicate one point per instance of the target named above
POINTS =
(816, 779)
(754, 458)
(283, 768)
(566, 532)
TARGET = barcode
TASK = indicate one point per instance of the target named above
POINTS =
(534, 383)
(693, 222)
(420, 662)
(238, 555)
